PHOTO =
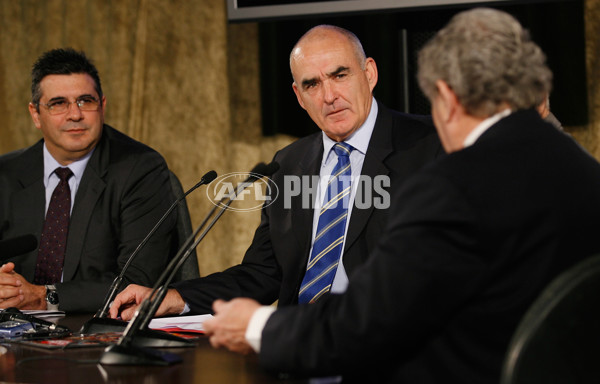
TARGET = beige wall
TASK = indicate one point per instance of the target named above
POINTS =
(182, 80)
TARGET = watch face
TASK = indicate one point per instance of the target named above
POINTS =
(52, 297)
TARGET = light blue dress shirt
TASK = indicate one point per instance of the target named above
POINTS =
(51, 180)
(360, 141)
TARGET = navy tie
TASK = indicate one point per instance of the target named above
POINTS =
(329, 240)
(51, 255)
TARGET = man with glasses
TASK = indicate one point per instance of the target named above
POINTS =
(87, 192)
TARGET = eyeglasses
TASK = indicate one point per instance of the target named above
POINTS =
(58, 106)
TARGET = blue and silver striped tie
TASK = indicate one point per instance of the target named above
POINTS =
(329, 240)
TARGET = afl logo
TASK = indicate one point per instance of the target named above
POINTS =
(262, 192)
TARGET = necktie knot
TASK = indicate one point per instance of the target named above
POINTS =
(342, 149)
(63, 173)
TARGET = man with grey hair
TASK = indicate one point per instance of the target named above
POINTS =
(477, 237)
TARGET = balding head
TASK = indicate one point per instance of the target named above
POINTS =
(330, 34)
(333, 80)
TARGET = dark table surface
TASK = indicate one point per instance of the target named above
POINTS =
(201, 364)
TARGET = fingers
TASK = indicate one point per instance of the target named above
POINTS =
(218, 305)
(234, 342)
(7, 292)
(11, 280)
(7, 268)
(8, 276)
(124, 299)
(128, 312)
(15, 301)
(228, 326)
(113, 310)
(126, 302)
(10, 288)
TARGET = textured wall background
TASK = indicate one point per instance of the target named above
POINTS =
(589, 135)
(180, 79)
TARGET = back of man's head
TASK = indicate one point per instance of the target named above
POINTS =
(488, 60)
(61, 61)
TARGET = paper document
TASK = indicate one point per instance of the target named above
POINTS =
(42, 313)
(180, 323)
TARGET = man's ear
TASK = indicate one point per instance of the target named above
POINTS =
(35, 115)
(448, 99)
(371, 72)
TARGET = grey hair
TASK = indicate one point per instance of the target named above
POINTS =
(487, 59)
(320, 30)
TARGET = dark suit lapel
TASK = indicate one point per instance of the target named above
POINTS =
(90, 189)
(380, 146)
(303, 216)
(29, 202)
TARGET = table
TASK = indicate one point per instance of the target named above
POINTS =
(201, 364)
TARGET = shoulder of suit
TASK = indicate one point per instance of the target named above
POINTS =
(301, 145)
(118, 139)
(408, 127)
(17, 156)
(423, 121)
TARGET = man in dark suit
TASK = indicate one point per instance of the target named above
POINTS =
(333, 81)
(472, 239)
(119, 189)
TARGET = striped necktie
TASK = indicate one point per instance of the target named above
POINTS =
(329, 240)
(51, 255)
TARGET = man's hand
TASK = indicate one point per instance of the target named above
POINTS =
(228, 326)
(126, 302)
(17, 292)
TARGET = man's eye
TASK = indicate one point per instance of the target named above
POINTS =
(86, 100)
(57, 103)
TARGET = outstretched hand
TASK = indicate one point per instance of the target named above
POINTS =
(127, 302)
(228, 326)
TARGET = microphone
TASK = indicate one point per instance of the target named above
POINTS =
(100, 323)
(160, 290)
(16, 246)
(125, 352)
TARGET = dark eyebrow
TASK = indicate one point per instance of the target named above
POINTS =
(338, 71)
(334, 73)
(308, 82)
(57, 98)
(64, 98)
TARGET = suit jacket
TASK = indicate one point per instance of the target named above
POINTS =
(275, 263)
(472, 241)
(123, 192)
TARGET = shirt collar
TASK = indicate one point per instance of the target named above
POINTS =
(359, 140)
(484, 126)
(77, 167)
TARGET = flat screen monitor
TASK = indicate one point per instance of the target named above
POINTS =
(256, 10)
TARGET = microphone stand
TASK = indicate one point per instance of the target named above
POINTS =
(101, 323)
(127, 351)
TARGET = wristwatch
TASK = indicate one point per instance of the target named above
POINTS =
(51, 298)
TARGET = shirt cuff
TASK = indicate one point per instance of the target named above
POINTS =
(186, 309)
(256, 325)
